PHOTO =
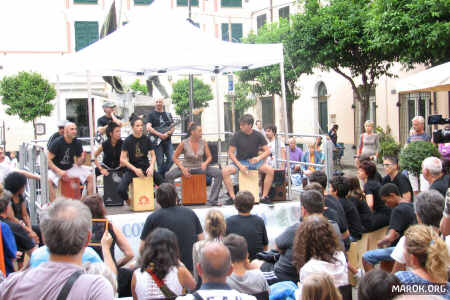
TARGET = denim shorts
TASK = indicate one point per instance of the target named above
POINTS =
(249, 165)
(376, 256)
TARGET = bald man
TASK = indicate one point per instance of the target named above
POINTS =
(65, 159)
(214, 268)
(295, 154)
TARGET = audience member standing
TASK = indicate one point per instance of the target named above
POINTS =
(160, 275)
(66, 228)
(432, 172)
(60, 132)
(251, 227)
(179, 219)
(368, 141)
(390, 164)
(214, 268)
(419, 134)
(380, 213)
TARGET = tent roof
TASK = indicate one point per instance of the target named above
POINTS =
(161, 41)
(434, 79)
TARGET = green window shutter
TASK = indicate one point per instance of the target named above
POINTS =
(85, 34)
(185, 2)
(231, 3)
(225, 36)
(236, 32)
(142, 2)
(85, 1)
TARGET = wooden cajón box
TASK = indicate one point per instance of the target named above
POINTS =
(142, 197)
(193, 189)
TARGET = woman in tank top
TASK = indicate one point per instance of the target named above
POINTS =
(195, 149)
(368, 141)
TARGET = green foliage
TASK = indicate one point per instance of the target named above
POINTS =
(242, 101)
(335, 37)
(138, 87)
(180, 95)
(418, 31)
(27, 95)
(412, 156)
(388, 145)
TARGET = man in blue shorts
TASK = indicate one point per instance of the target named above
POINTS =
(243, 151)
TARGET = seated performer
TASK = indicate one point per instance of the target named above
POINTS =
(63, 153)
(194, 148)
(134, 157)
(246, 142)
(111, 149)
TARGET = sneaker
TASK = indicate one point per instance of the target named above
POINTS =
(266, 200)
(229, 201)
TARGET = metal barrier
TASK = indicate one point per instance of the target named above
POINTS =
(34, 159)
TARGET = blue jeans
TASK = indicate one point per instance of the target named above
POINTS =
(164, 153)
(249, 165)
(376, 256)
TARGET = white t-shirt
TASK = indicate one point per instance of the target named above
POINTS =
(5, 169)
(399, 251)
(274, 151)
(338, 270)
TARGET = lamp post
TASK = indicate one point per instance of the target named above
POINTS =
(191, 78)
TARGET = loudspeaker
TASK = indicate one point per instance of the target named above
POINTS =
(110, 183)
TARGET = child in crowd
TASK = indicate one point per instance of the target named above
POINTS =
(243, 279)
(251, 227)
(319, 287)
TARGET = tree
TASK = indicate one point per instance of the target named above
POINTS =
(138, 87)
(27, 95)
(335, 37)
(242, 100)
(267, 80)
(417, 30)
(180, 95)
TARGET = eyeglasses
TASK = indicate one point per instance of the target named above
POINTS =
(387, 165)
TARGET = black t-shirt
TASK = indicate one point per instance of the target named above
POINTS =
(247, 146)
(160, 120)
(333, 136)
(402, 182)
(52, 139)
(441, 185)
(284, 268)
(372, 187)
(354, 221)
(17, 207)
(111, 155)
(378, 177)
(334, 204)
(183, 222)
(23, 240)
(402, 217)
(103, 121)
(365, 214)
(138, 149)
(65, 153)
(252, 228)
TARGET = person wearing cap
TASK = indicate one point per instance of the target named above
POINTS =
(103, 122)
(60, 132)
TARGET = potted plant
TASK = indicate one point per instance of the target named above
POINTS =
(412, 156)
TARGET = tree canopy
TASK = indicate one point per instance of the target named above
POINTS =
(27, 95)
(180, 95)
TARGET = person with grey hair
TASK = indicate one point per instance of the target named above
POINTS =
(432, 171)
(65, 161)
(66, 229)
(214, 268)
(428, 207)
(418, 124)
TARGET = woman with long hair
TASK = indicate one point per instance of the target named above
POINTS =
(427, 256)
(111, 149)
(97, 208)
(194, 149)
(161, 273)
(215, 227)
(380, 212)
(317, 250)
(357, 196)
(135, 157)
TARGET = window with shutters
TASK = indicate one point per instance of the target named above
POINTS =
(185, 2)
(231, 3)
(85, 1)
(261, 21)
(236, 32)
(284, 12)
(86, 33)
(142, 2)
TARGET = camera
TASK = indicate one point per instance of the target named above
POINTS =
(440, 135)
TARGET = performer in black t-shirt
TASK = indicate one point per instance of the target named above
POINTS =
(160, 127)
(109, 117)
(60, 132)
(246, 143)
(134, 157)
(65, 160)
(111, 149)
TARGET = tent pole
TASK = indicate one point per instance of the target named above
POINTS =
(58, 98)
(91, 129)
(219, 146)
(286, 128)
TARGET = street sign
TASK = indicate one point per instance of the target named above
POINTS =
(230, 83)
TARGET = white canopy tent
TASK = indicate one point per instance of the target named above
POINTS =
(160, 41)
(434, 79)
